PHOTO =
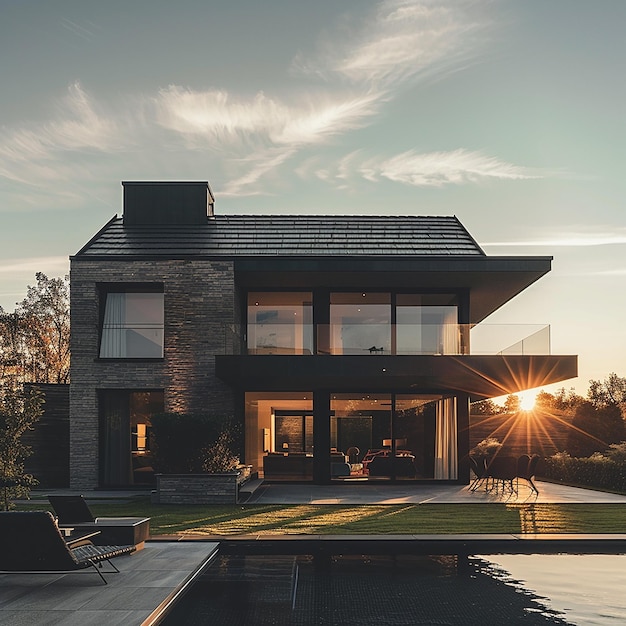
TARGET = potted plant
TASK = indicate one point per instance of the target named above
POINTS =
(196, 459)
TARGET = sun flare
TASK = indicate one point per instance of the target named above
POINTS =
(527, 399)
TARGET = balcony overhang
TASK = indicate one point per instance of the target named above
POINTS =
(484, 376)
(489, 281)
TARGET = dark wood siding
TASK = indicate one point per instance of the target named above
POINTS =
(50, 439)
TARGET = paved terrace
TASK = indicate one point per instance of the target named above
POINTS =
(151, 578)
(368, 493)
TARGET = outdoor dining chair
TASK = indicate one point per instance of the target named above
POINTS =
(502, 470)
(526, 468)
(480, 473)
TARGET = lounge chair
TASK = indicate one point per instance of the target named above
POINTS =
(73, 512)
(31, 542)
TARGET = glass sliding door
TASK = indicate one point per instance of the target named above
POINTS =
(393, 437)
(414, 429)
(125, 423)
(279, 434)
(361, 436)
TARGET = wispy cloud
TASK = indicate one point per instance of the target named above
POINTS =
(613, 272)
(569, 240)
(429, 169)
(262, 162)
(85, 31)
(247, 140)
(52, 264)
(435, 169)
(40, 152)
(227, 119)
(402, 39)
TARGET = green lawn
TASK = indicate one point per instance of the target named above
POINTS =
(307, 519)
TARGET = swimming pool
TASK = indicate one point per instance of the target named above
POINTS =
(402, 589)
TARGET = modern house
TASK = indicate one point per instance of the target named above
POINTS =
(349, 347)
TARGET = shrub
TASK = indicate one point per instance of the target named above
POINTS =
(190, 443)
(486, 447)
(599, 471)
(19, 411)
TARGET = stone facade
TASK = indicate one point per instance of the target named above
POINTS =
(199, 305)
(197, 488)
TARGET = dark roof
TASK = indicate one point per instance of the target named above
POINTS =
(287, 235)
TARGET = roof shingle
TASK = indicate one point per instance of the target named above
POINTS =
(287, 235)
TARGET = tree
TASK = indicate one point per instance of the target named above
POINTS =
(11, 346)
(544, 401)
(512, 404)
(19, 411)
(485, 407)
(610, 392)
(595, 428)
(35, 339)
(562, 400)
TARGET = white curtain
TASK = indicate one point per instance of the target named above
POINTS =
(446, 462)
(450, 332)
(113, 344)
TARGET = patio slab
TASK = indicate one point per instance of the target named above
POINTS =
(147, 582)
(415, 493)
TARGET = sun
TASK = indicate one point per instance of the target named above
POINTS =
(527, 399)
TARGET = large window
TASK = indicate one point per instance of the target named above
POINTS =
(395, 436)
(279, 434)
(132, 326)
(280, 323)
(427, 324)
(360, 323)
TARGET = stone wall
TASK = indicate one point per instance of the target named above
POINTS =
(199, 300)
(197, 488)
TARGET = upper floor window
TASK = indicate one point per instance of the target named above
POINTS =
(132, 325)
(360, 323)
(427, 324)
(280, 322)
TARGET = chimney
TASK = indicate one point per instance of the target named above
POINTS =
(167, 203)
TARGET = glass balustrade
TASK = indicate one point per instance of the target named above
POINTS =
(388, 339)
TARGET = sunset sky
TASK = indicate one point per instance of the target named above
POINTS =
(508, 114)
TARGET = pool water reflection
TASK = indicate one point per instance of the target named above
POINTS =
(587, 589)
(406, 589)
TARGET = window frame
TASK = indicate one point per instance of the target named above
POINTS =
(104, 289)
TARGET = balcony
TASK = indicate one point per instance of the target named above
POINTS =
(482, 361)
(386, 339)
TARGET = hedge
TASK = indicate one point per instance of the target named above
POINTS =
(596, 471)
